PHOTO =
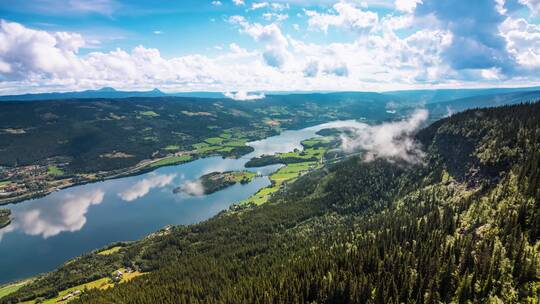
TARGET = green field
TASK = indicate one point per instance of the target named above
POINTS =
(102, 283)
(225, 149)
(238, 176)
(224, 143)
(315, 141)
(291, 171)
(8, 289)
(55, 171)
(172, 148)
(285, 174)
(214, 140)
(172, 160)
(235, 143)
(111, 250)
(149, 114)
(225, 135)
(308, 153)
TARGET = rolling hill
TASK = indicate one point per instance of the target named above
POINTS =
(461, 227)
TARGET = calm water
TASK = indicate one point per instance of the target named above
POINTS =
(48, 231)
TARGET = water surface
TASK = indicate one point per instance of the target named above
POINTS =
(48, 231)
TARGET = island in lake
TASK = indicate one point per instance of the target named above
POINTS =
(215, 181)
(5, 217)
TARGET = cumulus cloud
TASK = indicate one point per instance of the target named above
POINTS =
(67, 213)
(26, 53)
(311, 69)
(238, 2)
(243, 95)
(476, 42)
(276, 54)
(523, 41)
(276, 6)
(407, 6)
(142, 187)
(426, 43)
(276, 16)
(338, 69)
(258, 5)
(392, 140)
(347, 14)
(533, 5)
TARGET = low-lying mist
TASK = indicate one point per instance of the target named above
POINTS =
(392, 140)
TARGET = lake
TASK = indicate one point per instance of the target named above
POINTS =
(48, 231)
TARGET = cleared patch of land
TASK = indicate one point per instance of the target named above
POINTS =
(55, 171)
(103, 283)
(149, 113)
(111, 250)
(11, 288)
(172, 160)
(296, 163)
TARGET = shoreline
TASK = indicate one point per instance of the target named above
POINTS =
(141, 168)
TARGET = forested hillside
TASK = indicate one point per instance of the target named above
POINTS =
(462, 227)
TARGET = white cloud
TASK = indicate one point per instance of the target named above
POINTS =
(407, 6)
(376, 59)
(238, 2)
(25, 52)
(392, 140)
(157, 32)
(338, 69)
(270, 34)
(276, 54)
(276, 6)
(243, 95)
(276, 16)
(533, 5)
(346, 15)
(311, 69)
(216, 3)
(259, 5)
(142, 187)
(279, 6)
(523, 40)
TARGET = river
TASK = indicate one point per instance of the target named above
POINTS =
(48, 231)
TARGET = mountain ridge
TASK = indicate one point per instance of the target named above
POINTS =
(462, 227)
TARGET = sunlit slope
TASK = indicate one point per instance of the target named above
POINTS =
(463, 226)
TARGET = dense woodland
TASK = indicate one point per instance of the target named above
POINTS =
(82, 131)
(5, 219)
(463, 227)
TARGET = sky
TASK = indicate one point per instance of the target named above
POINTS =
(281, 45)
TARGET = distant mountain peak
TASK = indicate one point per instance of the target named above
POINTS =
(107, 89)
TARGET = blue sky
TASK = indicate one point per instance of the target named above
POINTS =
(235, 45)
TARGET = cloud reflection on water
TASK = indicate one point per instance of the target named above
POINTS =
(142, 187)
(65, 214)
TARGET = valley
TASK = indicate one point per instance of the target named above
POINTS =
(232, 175)
(269, 152)
(378, 219)
(84, 141)
(146, 202)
